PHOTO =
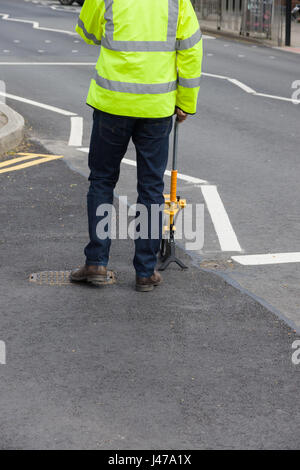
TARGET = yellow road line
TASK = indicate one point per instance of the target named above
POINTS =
(34, 162)
(26, 156)
(39, 155)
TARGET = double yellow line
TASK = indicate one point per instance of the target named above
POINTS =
(9, 165)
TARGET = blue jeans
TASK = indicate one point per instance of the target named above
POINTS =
(109, 142)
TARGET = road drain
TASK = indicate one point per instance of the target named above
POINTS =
(60, 278)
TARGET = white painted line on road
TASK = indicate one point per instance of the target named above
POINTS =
(241, 85)
(36, 25)
(282, 98)
(76, 131)
(270, 258)
(37, 104)
(180, 176)
(214, 76)
(247, 89)
(226, 235)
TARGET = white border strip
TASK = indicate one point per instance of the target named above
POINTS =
(76, 131)
(270, 258)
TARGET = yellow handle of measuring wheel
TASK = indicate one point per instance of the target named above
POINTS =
(173, 194)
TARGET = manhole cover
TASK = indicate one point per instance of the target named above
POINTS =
(61, 278)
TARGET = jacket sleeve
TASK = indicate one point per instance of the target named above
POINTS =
(189, 58)
(91, 21)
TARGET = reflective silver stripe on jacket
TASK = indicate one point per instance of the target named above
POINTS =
(189, 42)
(141, 46)
(88, 35)
(136, 88)
(189, 82)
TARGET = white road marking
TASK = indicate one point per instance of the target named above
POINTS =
(247, 89)
(274, 97)
(76, 131)
(270, 258)
(209, 55)
(36, 25)
(241, 56)
(17, 41)
(241, 85)
(226, 235)
(37, 104)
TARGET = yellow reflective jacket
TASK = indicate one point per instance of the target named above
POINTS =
(150, 57)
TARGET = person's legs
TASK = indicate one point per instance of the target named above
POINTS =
(109, 142)
(151, 139)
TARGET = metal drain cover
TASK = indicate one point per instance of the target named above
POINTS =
(61, 278)
(51, 278)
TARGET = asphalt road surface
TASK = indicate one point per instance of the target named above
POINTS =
(239, 156)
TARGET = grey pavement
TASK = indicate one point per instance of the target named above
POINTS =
(194, 365)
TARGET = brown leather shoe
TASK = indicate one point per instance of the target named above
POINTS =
(93, 274)
(146, 284)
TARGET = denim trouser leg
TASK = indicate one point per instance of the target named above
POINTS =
(109, 142)
(151, 139)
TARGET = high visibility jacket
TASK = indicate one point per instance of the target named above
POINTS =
(150, 57)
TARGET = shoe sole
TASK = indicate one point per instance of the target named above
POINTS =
(97, 280)
(146, 288)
